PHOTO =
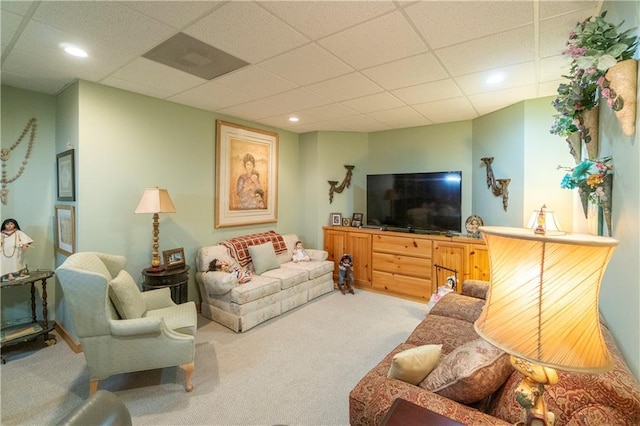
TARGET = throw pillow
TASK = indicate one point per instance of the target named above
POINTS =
(471, 372)
(413, 365)
(126, 296)
(263, 257)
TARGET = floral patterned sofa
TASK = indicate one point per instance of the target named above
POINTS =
(487, 392)
(278, 284)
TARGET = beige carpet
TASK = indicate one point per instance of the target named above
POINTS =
(296, 369)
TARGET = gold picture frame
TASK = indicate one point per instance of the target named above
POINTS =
(173, 258)
(346, 221)
(246, 175)
(65, 240)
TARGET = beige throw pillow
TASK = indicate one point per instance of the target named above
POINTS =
(126, 296)
(471, 372)
(413, 365)
(263, 257)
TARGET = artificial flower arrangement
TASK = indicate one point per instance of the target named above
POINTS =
(594, 46)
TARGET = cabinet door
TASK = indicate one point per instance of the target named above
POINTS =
(448, 259)
(359, 245)
(478, 264)
(335, 243)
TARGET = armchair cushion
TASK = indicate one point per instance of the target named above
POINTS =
(126, 296)
(263, 257)
(182, 318)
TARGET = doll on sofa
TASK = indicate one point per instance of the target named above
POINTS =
(300, 254)
(243, 275)
(345, 274)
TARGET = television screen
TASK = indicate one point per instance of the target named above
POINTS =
(430, 201)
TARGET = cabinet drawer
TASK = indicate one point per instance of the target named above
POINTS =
(416, 288)
(402, 245)
(419, 267)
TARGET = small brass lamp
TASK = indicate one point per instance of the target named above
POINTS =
(155, 200)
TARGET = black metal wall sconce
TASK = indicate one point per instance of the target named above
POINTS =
(345, 183)
(498, 186)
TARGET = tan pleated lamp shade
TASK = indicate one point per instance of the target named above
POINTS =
(155, 200)
(542, 305)
(550, 220)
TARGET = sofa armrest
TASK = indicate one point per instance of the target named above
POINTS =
(316, 254)
(157, 299)
(217, 283)
(476, 288)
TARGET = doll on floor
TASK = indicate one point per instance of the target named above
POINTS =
(243, 275)
(300, 254)
(345, 274)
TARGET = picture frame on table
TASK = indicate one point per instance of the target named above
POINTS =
(356, 220)
(336, 219)
(65, 239)
(173, 258)
(65, 166)
(246, 175)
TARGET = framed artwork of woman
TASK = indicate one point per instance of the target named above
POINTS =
(246, 175)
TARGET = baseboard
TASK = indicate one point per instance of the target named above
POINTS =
(75, 347)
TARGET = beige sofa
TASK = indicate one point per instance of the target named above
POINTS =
(611, 398)
(283, 286)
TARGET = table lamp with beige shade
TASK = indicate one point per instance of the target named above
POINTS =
(155, 200)
(542, 307)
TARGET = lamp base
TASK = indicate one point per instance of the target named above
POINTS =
(530, 390)
(154, 269)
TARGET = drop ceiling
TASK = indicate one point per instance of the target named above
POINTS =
(360, 66)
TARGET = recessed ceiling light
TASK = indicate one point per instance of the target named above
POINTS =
(495, 78)
(294, 119)
(74, 50)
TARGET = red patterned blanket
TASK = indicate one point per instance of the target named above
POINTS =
(239, 246)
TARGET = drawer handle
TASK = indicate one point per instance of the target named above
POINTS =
(415, 244)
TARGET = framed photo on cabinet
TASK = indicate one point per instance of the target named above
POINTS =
(336, 219)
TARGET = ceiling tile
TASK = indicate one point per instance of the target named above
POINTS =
(109, 23)
(20, 7)
(554, 32)
(255, 110)
(327, 112)
(135, 87)
(296, 100)
(336, 15)
(49, 85)
(381, 40)
(404, 117)
(553, 67)
(514, 76)
(508, 48)
(256, 82)
(247, 31)
(455, 109)
(211, 96)
(9, 26)
(361, 123)
(152, 74)
(406, 72)
(348, 86)
(433, 19)
(376, 102)
(496, 99)
(428, 92)
(306, 65)
(548, 9)
(178, 14)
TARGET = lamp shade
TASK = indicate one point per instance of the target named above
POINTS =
(155, 200)
(542, 305)
(550, 220)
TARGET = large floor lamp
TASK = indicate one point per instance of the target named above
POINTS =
(155, 200)
(542, 307)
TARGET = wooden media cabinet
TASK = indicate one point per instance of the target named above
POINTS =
(409, 265)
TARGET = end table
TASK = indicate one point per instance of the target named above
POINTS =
(405, 413)
(177, 279)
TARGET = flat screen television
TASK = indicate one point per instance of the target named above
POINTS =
(429, 201)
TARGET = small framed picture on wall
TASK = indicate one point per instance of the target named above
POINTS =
(336, 219)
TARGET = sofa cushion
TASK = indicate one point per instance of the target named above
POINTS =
(413, 365)
(449, 332)
(259, 286)
(126, 297)
(288, 277)
(455, 305)
(263, 257)
(315, 268)
(470, 373)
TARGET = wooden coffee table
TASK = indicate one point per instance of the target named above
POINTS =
(405, 413)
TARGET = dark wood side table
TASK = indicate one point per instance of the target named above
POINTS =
(177, 279)
(405, 413)
(30, 328)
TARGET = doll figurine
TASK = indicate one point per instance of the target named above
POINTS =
(243, 275)
(14, 244)
(345, 276)
(300, 254)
